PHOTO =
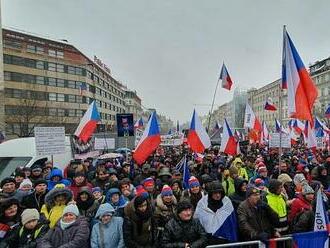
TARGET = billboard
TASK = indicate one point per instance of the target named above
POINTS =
(125, 125)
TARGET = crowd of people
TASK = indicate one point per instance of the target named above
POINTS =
(116, 203)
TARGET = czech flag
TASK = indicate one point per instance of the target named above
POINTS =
(138, 123)
(149, 141)
(250, 119)
(302, 92)
(269, 105)
(226, 81)
(228, 142)
(321, 222)
(327, 112)
(298, 126)
(319, 124)
(198, 139)
(88, 123)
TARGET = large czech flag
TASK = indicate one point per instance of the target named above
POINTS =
(226, 81)
(149, 141)
(88, 123)
(198, 139)
(264, 134)
(228, 142)
(310, 137)
(302, 92)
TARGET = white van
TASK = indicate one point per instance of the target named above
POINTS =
(21, 152)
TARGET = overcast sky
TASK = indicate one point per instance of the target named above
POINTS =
(171, 51)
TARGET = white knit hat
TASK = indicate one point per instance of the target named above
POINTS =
(29, 214)
(71, 208)
(25, 182)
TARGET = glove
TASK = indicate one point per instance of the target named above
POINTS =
(264, 237)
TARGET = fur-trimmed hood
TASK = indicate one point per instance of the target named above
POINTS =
(50, 196)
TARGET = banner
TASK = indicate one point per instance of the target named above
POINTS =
(175, 139)
(125, 125)
(274, 140)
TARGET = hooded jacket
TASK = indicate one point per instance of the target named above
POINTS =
(52, 211)
(110, 234)
(87, 208)
(54, 173)
(163, 213)
(239, 195)
(118, 206)
(74, 236)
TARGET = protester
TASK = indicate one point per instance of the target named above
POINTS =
(240, 192)
(117, 201)
(302, 203)
(8, 188)
(25, 188)
(71, 231)
(127, 189)
(86, 203)
(228, 183)
(194, 193)
(9, 216)
(256, 220)
(139, 229)
(183, 230)
(101, 178)
(108, 232)
(37, 198)
(56, 177)
(79, 181)
(98, 195)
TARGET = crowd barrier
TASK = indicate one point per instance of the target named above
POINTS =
(284, 242)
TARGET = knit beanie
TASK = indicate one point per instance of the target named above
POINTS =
(141, 191)
(71, 208)
(96, 189)
(183, 205)
(299, 178)
(148, 182)
(306, 189)
(25, 182)
(166, 191)
(7, 180)
(262, 169)
(193, 182)
(40, 181)
(29, 214)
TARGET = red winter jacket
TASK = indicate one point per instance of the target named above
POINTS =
(298, 205)
(75, 188)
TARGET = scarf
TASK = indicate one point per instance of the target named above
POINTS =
(213, 204)
(65, 225)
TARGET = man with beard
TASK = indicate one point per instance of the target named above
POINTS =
(194, 193)
(183, 230)
(139, 227)
(216, 214)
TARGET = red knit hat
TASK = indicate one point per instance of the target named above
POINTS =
(140, 191)
(166, 191)
(148, 182)
(193, 182)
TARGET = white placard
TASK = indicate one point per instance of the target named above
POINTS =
(166, 140)
(274, 140)
(104, 143)
(49, 140)
(319, 142)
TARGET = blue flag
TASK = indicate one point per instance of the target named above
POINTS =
(186, 174)
(310, 239)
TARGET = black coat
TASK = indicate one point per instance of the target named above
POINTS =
(177, 233)
(34, 201)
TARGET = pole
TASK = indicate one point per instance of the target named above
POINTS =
(280, 113)
(215, 92)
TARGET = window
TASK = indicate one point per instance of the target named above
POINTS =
(59, 68)
(59, 54)
(7, 75)
(71, 84)
(60, 98)
(17, 93)
(71, 98)
(30, 63)
(61, 112)
(79, 113)
(12, 44)
(52, 96)
(52, 53)
(40, 50)
(79, 71)
(40, 80)
(52, 82)
(60, 82)
(40, 65)
(34, 49)
(52, 111)
(51, 66)
(71, 70)
(79, 99)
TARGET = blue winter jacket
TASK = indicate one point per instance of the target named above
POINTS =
(57, 172)
(112, 232)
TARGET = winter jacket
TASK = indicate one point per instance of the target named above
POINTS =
(278, 204)
(239, 195)
(304, 222)
(23, 238)
(229, 186)
(57, 172)
(164, 213)
(299, 204)
(52, 211)
(76, 189)
(108, 235)
(253, 221)
(74, 236)
(34, 200)
(192, 198)
(118, 206)
(177, 233)
(138, 233)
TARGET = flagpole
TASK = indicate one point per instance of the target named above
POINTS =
(215, 92)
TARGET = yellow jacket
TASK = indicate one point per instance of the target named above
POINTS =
(54, 214)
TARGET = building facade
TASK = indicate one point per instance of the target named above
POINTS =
(133, 103)
(51, 83)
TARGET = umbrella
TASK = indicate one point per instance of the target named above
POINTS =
(123, 150)
(110, 155)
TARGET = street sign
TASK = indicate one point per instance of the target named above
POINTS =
(49, 140)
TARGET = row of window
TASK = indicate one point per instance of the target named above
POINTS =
(32, 48)
(58, 97)
(104, 83)
(43, 65)
(58, 82)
